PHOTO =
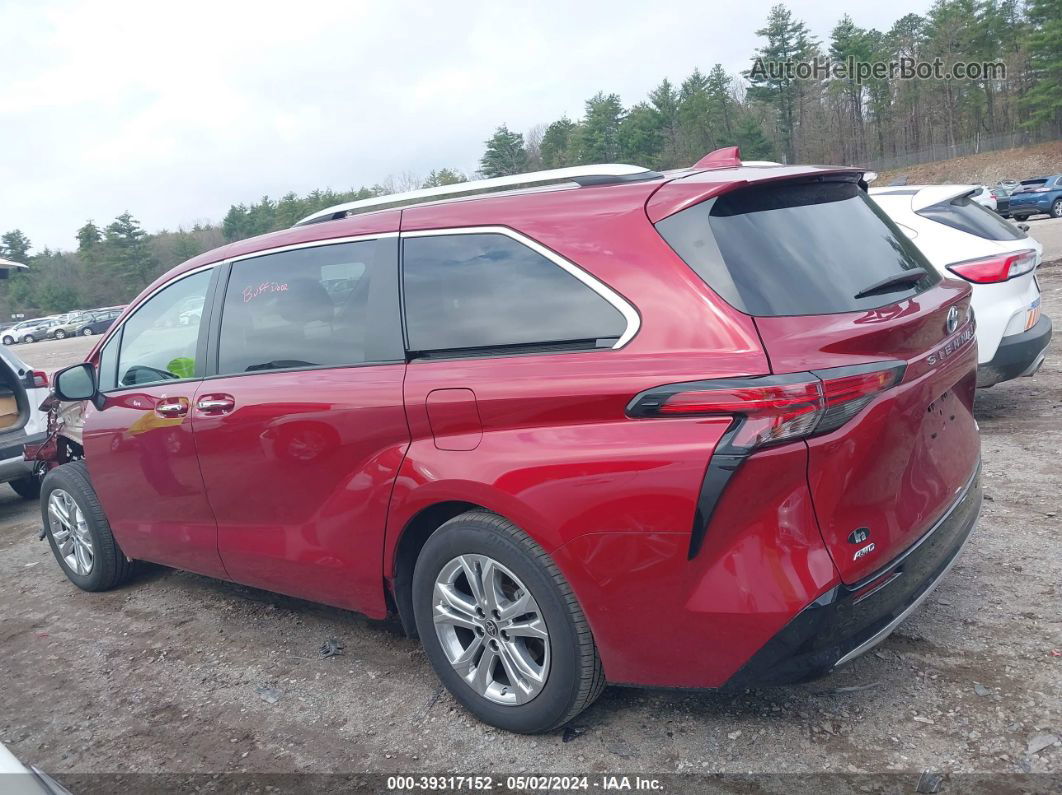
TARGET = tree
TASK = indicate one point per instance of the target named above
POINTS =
(665, 101)
(557, 148)
(125, 251)
(505, 154)
(1044, 100)
(788, 43)
(641, 138)
(444, 176)
(753, 143)
(15, 246)
(850, 44)
(89, 238)
(598, 137)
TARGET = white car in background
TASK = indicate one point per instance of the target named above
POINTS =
(963, 239)
(984, 197)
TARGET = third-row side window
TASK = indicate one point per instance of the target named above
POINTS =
(490, 291)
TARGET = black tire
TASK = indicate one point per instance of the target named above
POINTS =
(86, 332)
(28, 488)
(60, 334)
(575, 677)
(29, 338)
(1021, 218)
(1056, 209)
(8, 340)
(110, 567)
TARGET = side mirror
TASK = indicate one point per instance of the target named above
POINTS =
(1023, 227)
(76, 383)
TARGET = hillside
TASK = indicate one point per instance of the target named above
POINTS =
(986, 168)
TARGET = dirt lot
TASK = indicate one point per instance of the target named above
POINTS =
(986, 168)
(164, 674)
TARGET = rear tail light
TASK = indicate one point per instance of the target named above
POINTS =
(40, 378)
(992, 270)
(774, 409)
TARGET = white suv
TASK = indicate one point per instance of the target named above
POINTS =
(964, 239)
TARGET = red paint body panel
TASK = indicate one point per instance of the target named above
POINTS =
(299, 474)
(145, 470)
(697, 622)
(898, 465)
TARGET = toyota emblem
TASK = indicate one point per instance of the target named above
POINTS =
(953, 320)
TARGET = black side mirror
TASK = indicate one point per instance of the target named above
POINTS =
(76, 383)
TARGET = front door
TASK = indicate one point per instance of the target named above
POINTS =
(302, 430)
(139, 447)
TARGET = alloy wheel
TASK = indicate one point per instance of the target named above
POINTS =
(71, 533)
(1056, 208)
(491, 629)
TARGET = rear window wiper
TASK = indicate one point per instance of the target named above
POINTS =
(892, 282)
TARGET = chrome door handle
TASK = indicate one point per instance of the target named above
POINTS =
(215, 404)
(171, 409)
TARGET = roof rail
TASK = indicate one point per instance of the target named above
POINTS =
(608, 174)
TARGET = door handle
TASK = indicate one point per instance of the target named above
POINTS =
(172, 407)
(215, 404)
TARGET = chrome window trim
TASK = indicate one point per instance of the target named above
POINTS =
(621, 304)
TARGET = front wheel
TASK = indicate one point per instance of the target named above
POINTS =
(501, 626)
(1056, 209)
(78, 531)
(29, 338)
(60, 335)
(8, 340)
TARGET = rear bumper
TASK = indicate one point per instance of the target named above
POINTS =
(848, 621)
(1017, 355)
(13, 464)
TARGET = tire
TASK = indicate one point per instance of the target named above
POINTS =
(60, 334)
(29, 338)
(1056, 209)
(567, 659)
(28, 488)
(1021, 218)
(86, 332)
(8, 340)
(109, 567)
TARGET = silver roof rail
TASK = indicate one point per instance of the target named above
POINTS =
(607, 174)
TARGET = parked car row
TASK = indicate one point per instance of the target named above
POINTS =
(704, 428)
(1036, 196)
(83, 323)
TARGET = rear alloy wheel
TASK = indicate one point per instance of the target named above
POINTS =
(29, 338)
(86, 332)
(502, 628)
(78, 531)
(60, 334)
(1056, 209)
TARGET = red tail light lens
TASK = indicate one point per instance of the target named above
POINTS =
(995, 269)
(775, 409)
(40, 378)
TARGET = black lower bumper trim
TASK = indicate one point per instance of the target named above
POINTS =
(1016, 354)
(850, 619)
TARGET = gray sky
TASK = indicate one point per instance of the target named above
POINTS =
(175, 111)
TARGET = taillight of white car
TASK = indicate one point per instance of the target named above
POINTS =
(1000, 268)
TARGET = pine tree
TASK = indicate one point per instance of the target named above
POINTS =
(597, 140)
(556, 147)
(505, 154)
(15, 246)
(1044, 100)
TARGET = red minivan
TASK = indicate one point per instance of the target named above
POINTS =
(704, 428)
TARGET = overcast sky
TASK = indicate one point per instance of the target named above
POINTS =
(175, 111)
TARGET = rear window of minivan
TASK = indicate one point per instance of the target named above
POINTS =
(796, 248)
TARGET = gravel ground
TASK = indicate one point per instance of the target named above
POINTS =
(178, 673)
